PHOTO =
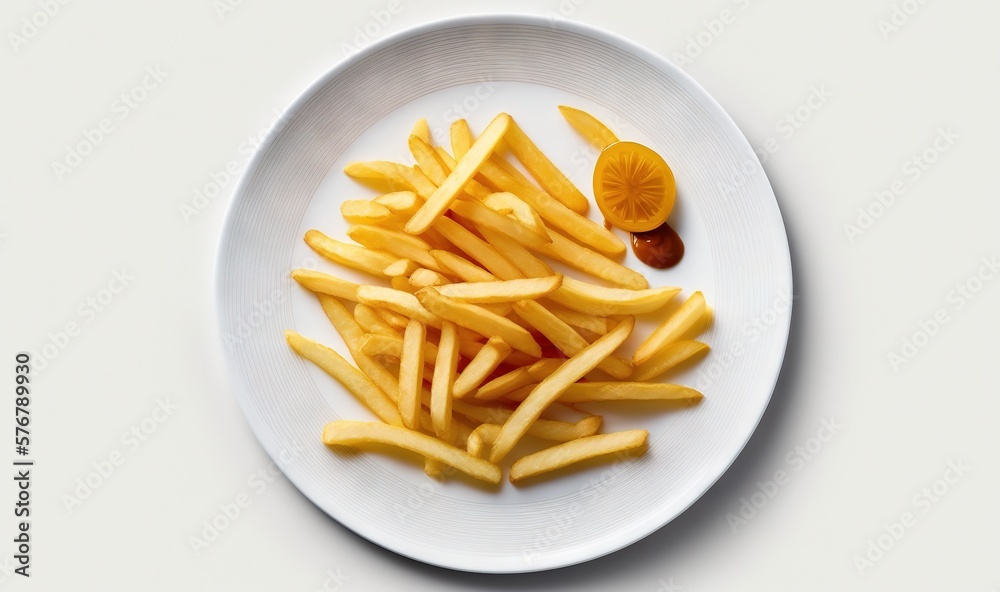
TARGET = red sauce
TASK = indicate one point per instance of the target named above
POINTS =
(660, 248)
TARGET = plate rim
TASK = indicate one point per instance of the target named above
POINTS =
(547, 561)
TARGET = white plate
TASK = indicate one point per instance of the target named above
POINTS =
(737, 254)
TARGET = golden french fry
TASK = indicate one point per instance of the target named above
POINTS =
(423, 278)
(482, 365)
(667, 358)
(438, 168)
(421, 130)
(598, 300)
(562, 455)
(509, 204)
(547, 429)
(374, 344)
(523, 259)
(541, 369)
(565, 338)
(394, 319)
(589, 127)
(404, 246)
(353, 379)
(353, 433)
(589, 392)
(446, 193)
(517, 378)
(594, 324)
(367, 260)
(555, 431)
(393, 173)
(541, 168)
(462, 267)
(322, 283)
(399, 302)
(411, 373)
(592, 262)
(552, 387)
(501, 291)
(478, 319)
(347, 326)
(443, 380)
(402, 267)
(369, 320)
(402, 284)
(404, 203)
(479, 214)
(676, 324)
(461, 138)
(478, 249)
(363, 211)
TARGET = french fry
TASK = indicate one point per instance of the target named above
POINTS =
(509, 204)
(541, 369)
(411, 373)
(401, 268)
(552, 387)
(443, 379)
(479, 250)
(546, 429)
(395, 174)
(501, 291)
(598, 300)
(589, 127)
(402, 245)
(486, 360)
(322, 283)
(369, 320)
(399, 302)
(373, 344)
(437, 169)
(405, 203)
(479, 214)
(589, 261)
(421, 130)
(476, 318)
(590, 392)
(541, 168)
(462, 267)
(353, 433)
(505, 384)
(363, 211)
(345, 324)
(667, 358)
(423, 278)
(461, 138)
(466, 168)
(394, 319)
(565, 338)
(676, 324)
(367, 260)
(353, 379)
(594, 324)
(515, 252)
(562, 455)
(402, 284)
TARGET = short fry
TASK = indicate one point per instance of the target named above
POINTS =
(482, 365)
(667, 358)
(676, 324)
(589, 127)
(367, 260)
(411, 373)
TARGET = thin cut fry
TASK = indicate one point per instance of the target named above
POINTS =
(552, 387)
(462, 267)
(399, 302)
(478, 249)
(352, 433)
(423, 278)
(401, 268)
(438, 169)
(482, 365)
(589, 127)
(589, 392)
(592, 262)
(363, 211)
(395, 174)
(404, 203)
(546, 429)
(541, 168)
(501, 291)
(515, 252)
(353, 379)
(322, 283)
(594, 324)
(421, 130)
(563, 455)
(444, 378)
(369, 320)
(565, 338)
(392, 346)
(477, 319)
(446, 193)
(598, 300)
(400, 244)
(411, 373)
(676, 324)
(349, 329)
(479, 214)
(353, 256)
(667, 358)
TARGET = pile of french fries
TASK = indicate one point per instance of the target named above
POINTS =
(466, 340)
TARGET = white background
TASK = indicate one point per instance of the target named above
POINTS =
(229, 72)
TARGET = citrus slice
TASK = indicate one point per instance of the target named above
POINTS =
(633, 186)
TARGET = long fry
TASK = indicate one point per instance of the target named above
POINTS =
(322, 283)
(353, 256)
(565, 338)
(676, 324)
(442, 383)
(541, 168)
(478, 319)
(485, 362)
(563, 455)
(589, 392)
(667, 358)
(411, 373)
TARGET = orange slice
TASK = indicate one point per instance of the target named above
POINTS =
(634, 187)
